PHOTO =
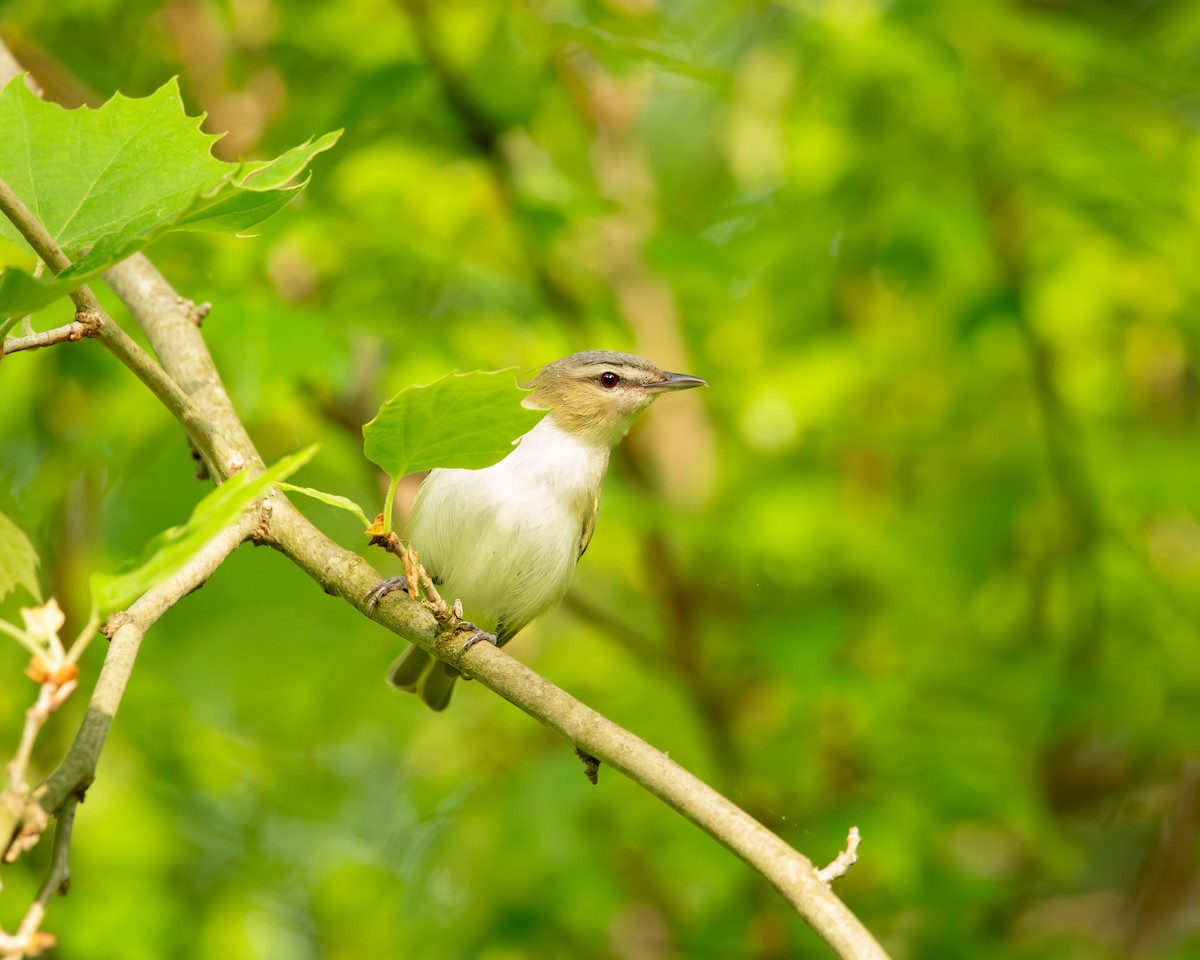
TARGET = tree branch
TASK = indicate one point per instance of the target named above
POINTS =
(99, 324)
(20, 829)
(184, 355)
(347, 575)
(51, 696)
(38, 237)
(790, 872)
(77, 329)
(163, 315)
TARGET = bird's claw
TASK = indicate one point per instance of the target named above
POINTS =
(382, 589)
(477, 636)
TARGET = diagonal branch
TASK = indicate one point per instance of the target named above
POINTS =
(165, 318)
(97, 323)
(340, 572)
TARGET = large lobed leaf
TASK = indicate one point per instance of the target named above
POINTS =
(113, 179)
(461, 420)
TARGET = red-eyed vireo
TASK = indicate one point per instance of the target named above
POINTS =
(505, 539)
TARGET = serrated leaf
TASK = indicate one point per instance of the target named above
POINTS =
(116, 178)
(170, 550)
(272, 174)
(462, 420)
(18, 561)
(344, 503)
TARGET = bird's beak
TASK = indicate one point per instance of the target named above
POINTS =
(675, 381)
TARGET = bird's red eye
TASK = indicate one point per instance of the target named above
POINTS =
(609, 379)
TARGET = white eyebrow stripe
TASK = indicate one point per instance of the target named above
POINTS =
(618, 368)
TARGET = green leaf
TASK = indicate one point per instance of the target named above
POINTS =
(116, 178)
(462, 420)
(273, 174)
(166, 554)
(345, 503)
(18, 561)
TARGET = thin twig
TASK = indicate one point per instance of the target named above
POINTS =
(841, 864)
(56, 676)
(116, 340)
(84, 325)
(77, 769)
(30, 940)
(51, 696)
(38, 237)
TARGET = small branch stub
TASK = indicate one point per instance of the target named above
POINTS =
(842, 863)
(115, 623)
(195, 312)
(591, 766)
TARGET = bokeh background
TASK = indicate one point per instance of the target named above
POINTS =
(924, 558)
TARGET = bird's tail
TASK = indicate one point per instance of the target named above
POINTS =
(417, 672)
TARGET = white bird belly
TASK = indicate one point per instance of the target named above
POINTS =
(505, 539)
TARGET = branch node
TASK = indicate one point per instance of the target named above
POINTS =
(196, 313)
(115, 623)
(89, 323)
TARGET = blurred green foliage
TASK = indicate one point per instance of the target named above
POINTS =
(925, 558)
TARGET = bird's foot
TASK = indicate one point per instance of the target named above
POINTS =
(476, 636)
(382, 589)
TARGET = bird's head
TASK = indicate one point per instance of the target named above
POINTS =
(595, 395)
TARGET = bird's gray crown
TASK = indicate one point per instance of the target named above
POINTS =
(588, 359)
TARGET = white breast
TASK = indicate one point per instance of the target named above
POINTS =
(505, 539)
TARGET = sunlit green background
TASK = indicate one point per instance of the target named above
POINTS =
(924, 558)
